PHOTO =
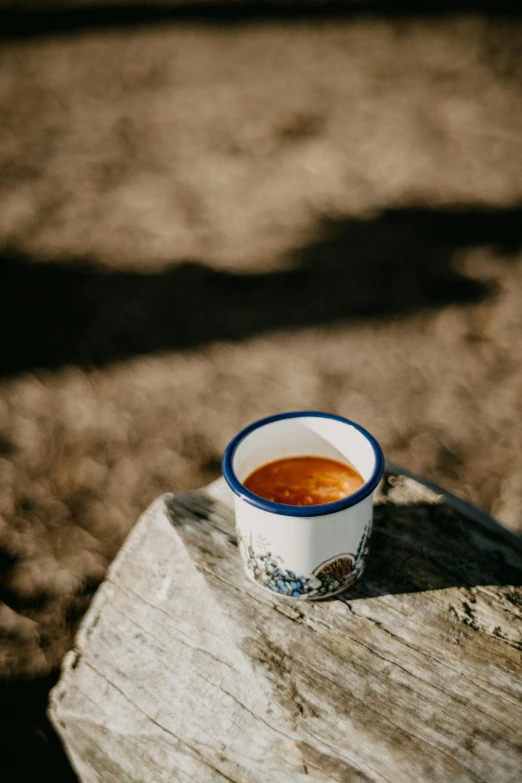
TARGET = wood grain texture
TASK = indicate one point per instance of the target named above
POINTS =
(184, 670)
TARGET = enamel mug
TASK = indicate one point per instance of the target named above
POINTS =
(306, 552)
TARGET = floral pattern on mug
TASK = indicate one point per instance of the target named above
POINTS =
(329, 577)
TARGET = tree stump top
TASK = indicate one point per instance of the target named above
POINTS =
(184, 670)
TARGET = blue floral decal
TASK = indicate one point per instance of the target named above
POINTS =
(331, 576)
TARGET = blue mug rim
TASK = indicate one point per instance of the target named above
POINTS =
(300, 511)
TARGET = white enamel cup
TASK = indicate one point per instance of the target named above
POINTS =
(306, 552)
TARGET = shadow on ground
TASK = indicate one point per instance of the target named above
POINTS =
(29, 748)
(31, 22)
(400, 262)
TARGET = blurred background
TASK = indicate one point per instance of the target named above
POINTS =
(213, 213)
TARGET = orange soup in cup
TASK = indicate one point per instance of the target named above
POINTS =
(304, 481)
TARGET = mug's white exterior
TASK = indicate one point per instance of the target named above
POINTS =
(305, 545)
(300, 553)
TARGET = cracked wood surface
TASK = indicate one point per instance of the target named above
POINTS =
(184, 670)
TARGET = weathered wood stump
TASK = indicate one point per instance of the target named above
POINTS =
(184, 670)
